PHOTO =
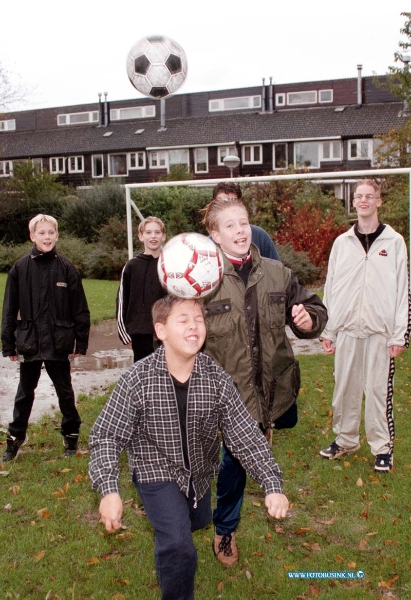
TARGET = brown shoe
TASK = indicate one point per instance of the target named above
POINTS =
(226, 549)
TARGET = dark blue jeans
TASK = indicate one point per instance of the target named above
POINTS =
(230, 492)
(59, 373)
(174, 518)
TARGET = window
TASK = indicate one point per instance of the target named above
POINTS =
(97, 165)
(78, 118)
(280, 99)
(158, 160)
(201, 160)
(325, 96)
(38, 163)
(224, 151)
(252, 154)
(6, 168)
(76, 164)
(57, 165)
(294, 98)
(306, 155)
(360, 149)
(133, 112)
(331, 150)
(117, 165)
(242, 102)
(137, 160)
(280, 156)
(9, 125)
(179, 157)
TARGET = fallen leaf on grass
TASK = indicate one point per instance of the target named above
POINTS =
(39, 556)
(372, 533)
(15, 490)
(78, 478)
(43, 512)
(347, 464)
(389, 583)
(339, 558)
(65, 470)
(278, 529)
(258, 554)
(93, 561)
(51, 596)
(363, 544)
(220, 586)
(257, 504)
(302, 530)
(314, 591)
(268, 536)
(248, 574)
(351, 564)
(359, 482)
(118, 596)
(4, 473)
(122, 536)
(326, 521)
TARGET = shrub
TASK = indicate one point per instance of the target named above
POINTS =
(105, 263)
(91, 208)
(300, 264)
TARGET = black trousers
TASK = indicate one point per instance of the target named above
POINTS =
(59, 373)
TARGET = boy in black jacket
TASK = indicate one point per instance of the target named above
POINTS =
(139, 289)
(45, 319)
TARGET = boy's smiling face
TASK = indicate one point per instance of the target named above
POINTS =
(184, 332)
(233, 233)
(44, 236)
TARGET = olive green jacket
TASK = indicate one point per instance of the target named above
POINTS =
(246, 334)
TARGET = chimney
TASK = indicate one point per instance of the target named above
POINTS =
(105, 110)
(359, 87)
(270, 96)
(263, 96)
(100, 109)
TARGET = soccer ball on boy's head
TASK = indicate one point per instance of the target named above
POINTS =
(190, 266)
(157, 66)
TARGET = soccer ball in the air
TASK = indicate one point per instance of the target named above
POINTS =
(190, 266)
(157, 66)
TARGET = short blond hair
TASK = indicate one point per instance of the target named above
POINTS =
(371, 182)
(213, 209)
(39, 219)
(144, 222)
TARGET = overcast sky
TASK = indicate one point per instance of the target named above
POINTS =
(67, 52)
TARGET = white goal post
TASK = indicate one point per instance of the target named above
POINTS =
(211, 182)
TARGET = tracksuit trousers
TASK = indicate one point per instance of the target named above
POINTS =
(363, 366)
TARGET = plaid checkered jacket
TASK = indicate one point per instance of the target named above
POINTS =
(142, 416)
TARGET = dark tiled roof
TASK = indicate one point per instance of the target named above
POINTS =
(295, 124)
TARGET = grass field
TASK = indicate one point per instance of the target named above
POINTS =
(344, 518)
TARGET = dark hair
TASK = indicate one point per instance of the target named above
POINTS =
(226, 187)
(161, 309)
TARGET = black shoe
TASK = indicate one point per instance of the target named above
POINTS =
(383, 462)
(13, 446)
(335, 451)
(70, 444)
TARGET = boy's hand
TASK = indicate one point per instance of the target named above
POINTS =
(396, 350)
(302, 319)
(111, 509)
(328, 346)
(277, 505)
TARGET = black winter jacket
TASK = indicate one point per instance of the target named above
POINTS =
(45, 312)
(139, 288)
